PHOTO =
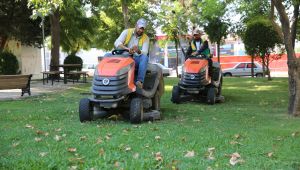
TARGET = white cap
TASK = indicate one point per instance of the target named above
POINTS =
(141, 23)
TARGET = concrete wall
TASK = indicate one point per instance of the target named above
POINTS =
(30, 59)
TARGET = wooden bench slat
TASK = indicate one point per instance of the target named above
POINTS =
(16, 82)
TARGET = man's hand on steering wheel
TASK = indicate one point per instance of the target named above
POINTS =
(136, 49)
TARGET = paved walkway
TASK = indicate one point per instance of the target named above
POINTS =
(37, 88)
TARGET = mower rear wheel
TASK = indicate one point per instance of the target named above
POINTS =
(85, 110)
(175, 95)
(156, 101)
(211, 96)
(136, 110)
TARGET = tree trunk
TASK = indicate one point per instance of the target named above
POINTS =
(176, 47)
(125, 14)
(267, 61)
(218, 51)
(293, 62)
(3, 40)
(55, 39)
(252, 64)
(294, 22)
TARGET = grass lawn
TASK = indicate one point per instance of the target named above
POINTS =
(45, 133)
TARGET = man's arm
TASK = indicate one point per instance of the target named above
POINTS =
(120, 40)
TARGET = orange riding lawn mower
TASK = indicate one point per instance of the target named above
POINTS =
(115, 93)
(201, 80)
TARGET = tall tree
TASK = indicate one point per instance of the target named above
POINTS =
(293, 62)
(16, 24)
(261, 38)
(51, 8)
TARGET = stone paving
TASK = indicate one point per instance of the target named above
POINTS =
(37, 88)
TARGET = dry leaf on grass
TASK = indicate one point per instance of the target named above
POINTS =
(295, 134)
(127, 148)
(71, 149)
(196, 120)
(237, 136)
(57, 138)
(29, 126)
(157, 137)
(116, 164)
(43, 154)
(15, 144)
(39, 132)
(210, 152)
(101, 152)
(158, 156)
(38, 139)
(57, 129)
(189, 154)
(235, 158)
(82, 138)
(136, 155)
(99, 140)
(270, 154)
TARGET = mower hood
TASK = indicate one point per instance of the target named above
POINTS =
(194, 65)
(114, 66)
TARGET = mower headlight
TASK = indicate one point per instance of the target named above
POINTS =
(123, 70)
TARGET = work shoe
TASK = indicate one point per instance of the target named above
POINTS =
(139, 84)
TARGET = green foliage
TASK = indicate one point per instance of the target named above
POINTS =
(260, 37)
(16, 23)
(8, 63)
(36, 132)
(111, 22)
(216, 30)
(73, 59)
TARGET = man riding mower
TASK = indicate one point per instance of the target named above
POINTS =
(124, 81)
(201, 78)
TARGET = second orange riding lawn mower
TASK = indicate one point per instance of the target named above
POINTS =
(200, 81)
(114, 91)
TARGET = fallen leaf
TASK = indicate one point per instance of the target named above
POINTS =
(71, 149)
(116, 164)
(39, 132)
(234, 142)
(137, 126)
(209, 168)
(196, 120)
(101, 152)
(43, 154)
(57, 138)
(157, 137)
(270, 154)
(38, 139)
(235, 158)
(183, 139)
(73, 167)
(136, 155)
(99, 140)
(214, 118)
(158, 156)
(146, 146)
(107, 137)
(64, 135)
(126, 130)
(295, 134)
(15, 144)
(82, 138)
(210, 153)
(237, 136)
(128, 148)
(46, 134)
(189, 154)
(29, 126)
(76, 160)
(58, 130)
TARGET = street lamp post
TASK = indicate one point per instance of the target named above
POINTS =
(43, 30)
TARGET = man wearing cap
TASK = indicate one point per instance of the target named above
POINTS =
(137, 43)
(197, 46)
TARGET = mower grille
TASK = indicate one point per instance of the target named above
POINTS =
(110, 86)
(194, 79)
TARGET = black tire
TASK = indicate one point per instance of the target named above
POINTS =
(211, 96)
(85, 110)
(136, 110)
(156, 101)
(259, 75)
(175, 95)
(227, 75)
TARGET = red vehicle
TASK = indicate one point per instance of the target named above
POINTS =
(199, 81)
(114, 91)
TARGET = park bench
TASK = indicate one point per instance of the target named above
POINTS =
(75, 75)
(16, 82)
(53, 75)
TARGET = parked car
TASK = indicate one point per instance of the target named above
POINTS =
(90, 68)
(166, 71)
(244, 69)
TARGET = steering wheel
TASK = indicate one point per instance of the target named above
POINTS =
(119, 52)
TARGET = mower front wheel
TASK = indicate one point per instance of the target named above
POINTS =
(175, 95)
(136, 110)
(211, 96)
(85, 110)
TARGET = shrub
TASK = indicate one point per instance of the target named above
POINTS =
(73, 59)
(8, 63)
